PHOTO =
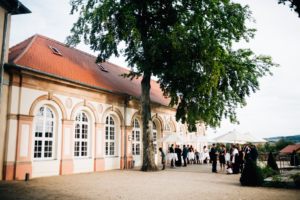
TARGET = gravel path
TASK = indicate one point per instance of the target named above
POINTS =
(133, 184)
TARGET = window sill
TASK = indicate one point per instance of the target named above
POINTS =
(43, 160)
(82, 158)
(111, 157)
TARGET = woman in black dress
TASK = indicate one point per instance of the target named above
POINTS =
(241, 158)
(222, 157)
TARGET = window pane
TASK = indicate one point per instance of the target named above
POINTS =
(84, 134)
(155, 148)
(38, 149)
(77, 130)
(137, 136)
(154, 136)
(112, 148)
(133, 149)
(112, 121)
(39, 128)
(49, 129)
(40, 112)
(83, 148)
(48, 149)
(112, 133)
(133, 135)
(77, 117)
(106, 133)
(76, 149)
(106, 148)
(137, 149)
(154, 126)
(106, 120)
(49, 113)
(136, 123)
(84, 117)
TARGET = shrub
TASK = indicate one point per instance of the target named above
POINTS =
(267, 171)
(296, 159)
(252, 175)
(296, 178)
(272, 162)
(277, 182)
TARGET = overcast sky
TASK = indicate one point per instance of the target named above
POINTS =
(272, 111)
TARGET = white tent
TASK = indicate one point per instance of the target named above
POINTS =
(234, 136)
(201, 138)
(255, 138)
(173, 137)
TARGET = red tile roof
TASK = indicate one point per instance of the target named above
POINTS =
(290, 149)
(79, 66)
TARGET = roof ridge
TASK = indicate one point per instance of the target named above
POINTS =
(25, 49)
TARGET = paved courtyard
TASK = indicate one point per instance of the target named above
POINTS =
(193, 182)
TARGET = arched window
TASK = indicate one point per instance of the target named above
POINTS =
(44, 135)
(81, 141)
(136, 138)
(110, 136)
(155, 138)
(168, 127)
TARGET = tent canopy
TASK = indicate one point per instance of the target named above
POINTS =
(234, 136)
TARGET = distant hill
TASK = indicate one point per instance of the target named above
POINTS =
(294, 138)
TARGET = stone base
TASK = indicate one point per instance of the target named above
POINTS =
(21, 170)
(8, 172)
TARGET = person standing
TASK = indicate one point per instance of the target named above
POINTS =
(188, 148)
(222, 157)
(172, 151)
(241, 157)
(230, 151)
(254, 153)
(209, 150)
(178, 152)
(235, 160)
(197, 154)
(163, 158)
(213, 158)
(227, 156)
(184, 155)
(247, 152)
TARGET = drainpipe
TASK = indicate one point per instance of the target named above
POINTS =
(3, 54)
(125, 117)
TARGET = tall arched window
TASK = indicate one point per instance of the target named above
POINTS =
(110, 136)
(44, 135)
(155, 137)
(81, 141)
(136, 138)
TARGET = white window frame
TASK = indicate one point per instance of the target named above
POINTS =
(44, 119)
(108, 141)
(168, 128)
(136, 128)
(80, 139)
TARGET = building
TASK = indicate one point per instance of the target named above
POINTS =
(66, 114)
(7, 9)
(290, 149)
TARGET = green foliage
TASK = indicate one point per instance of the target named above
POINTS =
(282, 143)
(269, 147)
(295, 160)
(219, 144)
(260, 147)
(277, 182)
(296, 178)
(186, 44)
(252, 174)
(272, 162)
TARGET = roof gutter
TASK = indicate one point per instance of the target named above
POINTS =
(3, 55)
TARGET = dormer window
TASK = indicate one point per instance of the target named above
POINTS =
(102, 68)
(55, 50)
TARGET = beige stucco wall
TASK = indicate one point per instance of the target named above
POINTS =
(2, 18)
(3, 124)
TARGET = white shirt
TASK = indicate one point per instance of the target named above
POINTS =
(235, 151)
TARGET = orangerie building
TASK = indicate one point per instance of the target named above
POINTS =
(64, 114)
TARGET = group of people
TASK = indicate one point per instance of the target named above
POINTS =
(234, 157)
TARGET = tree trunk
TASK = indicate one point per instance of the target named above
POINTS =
(148, 147)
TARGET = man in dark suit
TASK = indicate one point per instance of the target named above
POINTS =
(254, 153)
(184, 154)
(172, 151)
(178, 152)
(213, 157)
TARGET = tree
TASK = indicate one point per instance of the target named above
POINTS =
(260, 147)
(282, 143)
(252, 175)
(294, 4)
(220, 144)
(269, 147)
(272, 162)
(187, 45)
